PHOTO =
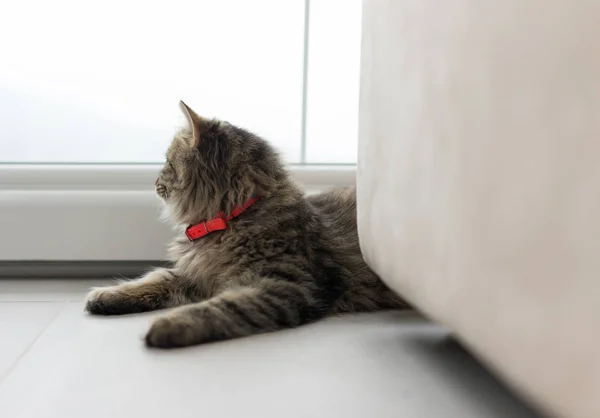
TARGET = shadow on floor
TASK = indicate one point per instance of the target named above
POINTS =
(447, 360)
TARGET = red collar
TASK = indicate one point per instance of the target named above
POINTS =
(218, 223)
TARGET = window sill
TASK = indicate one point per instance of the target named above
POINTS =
(139, 177)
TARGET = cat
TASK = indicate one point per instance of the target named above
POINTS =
(275, 258)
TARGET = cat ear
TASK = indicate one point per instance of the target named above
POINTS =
(198, 123)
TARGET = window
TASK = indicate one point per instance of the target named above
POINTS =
(99, 82)
(89, 96)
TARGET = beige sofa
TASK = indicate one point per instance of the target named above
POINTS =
(479, 181)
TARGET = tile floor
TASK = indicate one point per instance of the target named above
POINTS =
(55, 361)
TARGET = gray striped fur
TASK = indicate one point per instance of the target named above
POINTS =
(288, 260)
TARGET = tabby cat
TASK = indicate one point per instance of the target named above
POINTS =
(253, 254)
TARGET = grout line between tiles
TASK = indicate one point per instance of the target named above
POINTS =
(35, 301)
(35, 340)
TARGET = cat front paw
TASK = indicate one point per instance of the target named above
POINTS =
(105, 301)
(171, 331)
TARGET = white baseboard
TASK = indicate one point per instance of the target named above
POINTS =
(92, 213)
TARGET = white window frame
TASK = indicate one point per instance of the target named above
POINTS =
(110, 212)
(101, 212)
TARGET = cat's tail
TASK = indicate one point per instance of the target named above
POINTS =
(269, 306)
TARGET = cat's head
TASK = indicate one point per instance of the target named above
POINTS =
(213, 166)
